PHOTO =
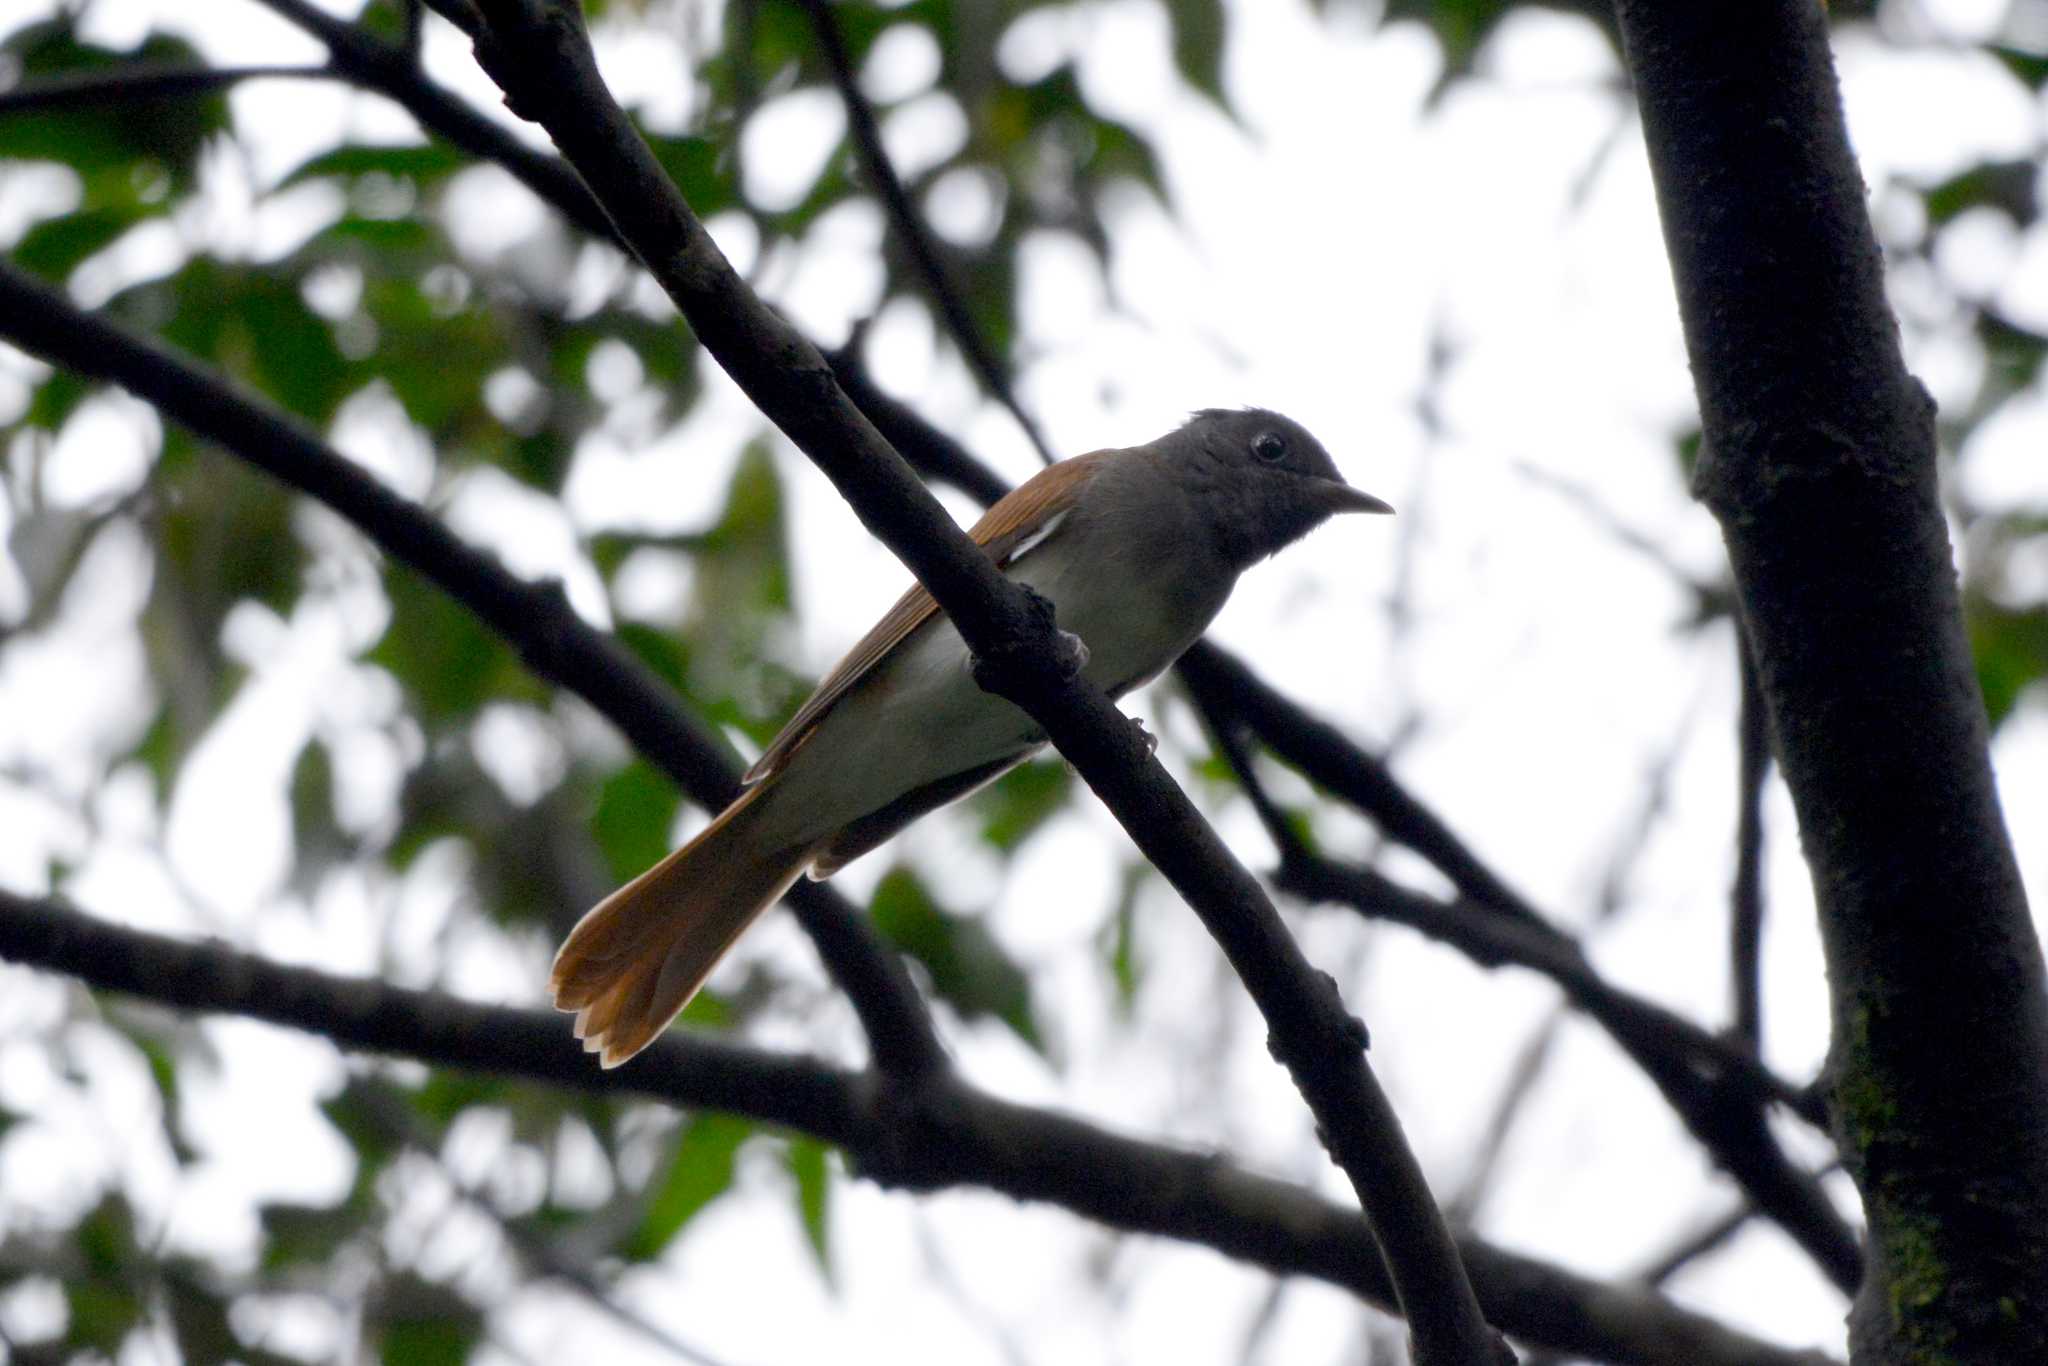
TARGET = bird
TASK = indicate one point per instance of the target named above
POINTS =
(1137, 548)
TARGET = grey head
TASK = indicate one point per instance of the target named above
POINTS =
(1262, 481)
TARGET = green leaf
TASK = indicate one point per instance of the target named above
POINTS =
(56, 398)
(700, 1171)
(700, 170)
(2007, 186)
(389, 238)
(668, 657)
(55, 246)
(317, 838)
(2010, 647)
(1014, 806)
(434, 355)
(103, 1302)
(295, 356)
(424, 1323)
(163, 1071)
(160, 750)
(1125, 968)
(423, 163)
(199, 1319)
(1198, 34)
(446, 1094)
(427, 1342)
(102, 1314)
(141, 139)
(740, 599)
(636, 807)
(2012, 354)
(969, 969)
(106, 1237)
(449, 662)
(708, 1010)
(306, 1235)
(388, 19)
(224, 533)
(2030, 67)
(809, 1161)
(372, 1115)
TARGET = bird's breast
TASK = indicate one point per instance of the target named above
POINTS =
(1137, 595)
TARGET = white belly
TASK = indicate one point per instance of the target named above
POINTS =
(920, 716)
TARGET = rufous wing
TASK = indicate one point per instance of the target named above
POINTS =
(1014, 526)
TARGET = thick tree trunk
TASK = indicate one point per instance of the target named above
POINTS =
(1820, 467)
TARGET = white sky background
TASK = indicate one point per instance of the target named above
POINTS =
(1313, 255)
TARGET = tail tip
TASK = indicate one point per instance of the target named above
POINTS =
(611, 1051)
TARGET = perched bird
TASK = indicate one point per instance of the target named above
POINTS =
(1137, 549)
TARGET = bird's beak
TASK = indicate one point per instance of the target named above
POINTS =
(1341, 497)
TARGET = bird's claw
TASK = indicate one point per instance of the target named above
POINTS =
(1073, 653)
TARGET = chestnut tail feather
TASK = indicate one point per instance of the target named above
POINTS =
(638, 956)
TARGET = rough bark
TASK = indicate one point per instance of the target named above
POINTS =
(1820, 467)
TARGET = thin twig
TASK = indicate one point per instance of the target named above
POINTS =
(542, 1256)
(1531, 1062)
(1709, 600)
(932, 453)
(1722, 1107)
(911, 230)
(1709, 1238)
(1331, 761)
(143, 82)
(953, 1135)
(1746, 899)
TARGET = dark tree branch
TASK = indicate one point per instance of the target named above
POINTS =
(535, 618)
(1819, 463)
(923, 249)
(946, 1135)
(932, 453)
(139, 83)
(538, 53)
(1746, 899)
(1707, 1240)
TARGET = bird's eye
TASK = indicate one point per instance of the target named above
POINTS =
(1270, 447)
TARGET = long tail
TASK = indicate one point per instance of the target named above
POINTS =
(640, 954)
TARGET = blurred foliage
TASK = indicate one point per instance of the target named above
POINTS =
(506, 363)
(966, 965)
